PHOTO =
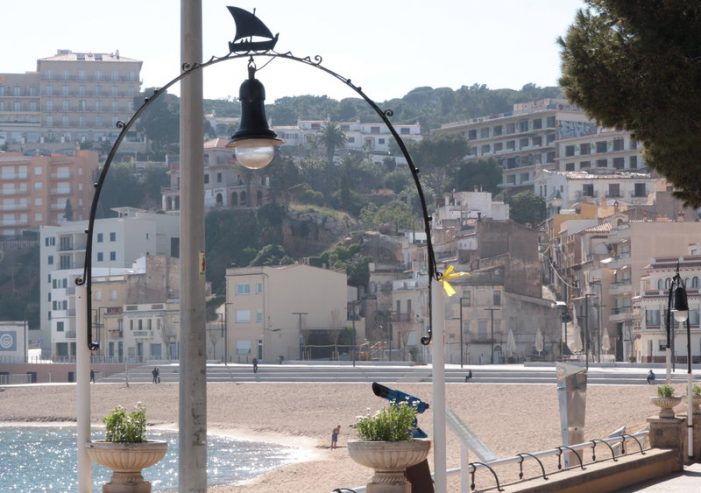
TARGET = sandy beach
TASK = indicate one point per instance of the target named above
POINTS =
(507, 418)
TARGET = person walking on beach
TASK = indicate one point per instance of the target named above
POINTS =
(255, 365)
(156, 375)
(334, 436)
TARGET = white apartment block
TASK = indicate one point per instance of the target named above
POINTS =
(462, 207)
(71, 97)
(284, 311)
(372, 137)
(226, 184)
(523, 140)
(117, 243)
(652, 304)
(608, 150)
(564, 189)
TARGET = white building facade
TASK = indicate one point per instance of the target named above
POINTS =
(117, 243)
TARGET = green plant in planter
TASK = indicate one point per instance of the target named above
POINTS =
(665, 390)
(392, 424)
(126, 427)
(696, 390)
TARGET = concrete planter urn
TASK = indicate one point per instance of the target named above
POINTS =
(666, 405)
(695, 403)
(389, 461)
(126, 460)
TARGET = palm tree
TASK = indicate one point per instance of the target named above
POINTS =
(332, 137)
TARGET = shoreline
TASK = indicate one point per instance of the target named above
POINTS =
(509, 419)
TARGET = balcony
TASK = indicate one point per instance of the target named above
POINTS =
(622, 287)
(70, 334)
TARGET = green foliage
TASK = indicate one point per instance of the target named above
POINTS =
(483, 174)
(127, 187)
(348, 258)
(332, 137)
(126, 427)
(397, 214)
(397, 180)
(696, 390)
(665, 390)
(161, 121)
(634, 64)
(272, 255)
(527, 207)
(394, 423)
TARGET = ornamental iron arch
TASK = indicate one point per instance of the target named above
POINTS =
(251, 51)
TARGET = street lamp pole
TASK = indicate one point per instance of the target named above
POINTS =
(461, 349)
(491, 316)
(193, 362)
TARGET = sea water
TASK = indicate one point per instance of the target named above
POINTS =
(43, 460)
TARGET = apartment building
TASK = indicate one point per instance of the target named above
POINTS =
(523, 140)
(227, 184)
(294, 311)
(566, 189)
(652, 303)
(39, 190)
(607, 149)
(374, 138)
(72, 97)
(117, 243)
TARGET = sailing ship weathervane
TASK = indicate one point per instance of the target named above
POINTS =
(248, 26)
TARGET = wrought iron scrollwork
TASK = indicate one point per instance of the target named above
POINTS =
(187, 69)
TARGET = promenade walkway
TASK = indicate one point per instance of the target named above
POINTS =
(688, 481)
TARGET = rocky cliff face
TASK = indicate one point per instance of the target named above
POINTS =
(310, 232)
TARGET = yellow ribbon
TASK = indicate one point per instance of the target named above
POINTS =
(446, 276)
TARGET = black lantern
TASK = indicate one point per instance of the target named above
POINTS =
(254, 143)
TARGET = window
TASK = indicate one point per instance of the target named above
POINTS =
(59, 326)
(219, 177)
(100, 256)
(510, 145)
(243, 316)
(496, 131)
(523, 126)
(569, 166)
(113, 236)
(633, 162)
(537, 140)
(482, 329)
(614, 190)
(100, 237)
(618, 144)
(51, 260)
(588, 189)
(639, 190)
(259, 287)
(652, 317)
(243, 289)
(694, 318)
(259, 316)
(585, 148)
(584, 164)
(523, 142)
(498, 146)
(550, 122)
(113, 255)
(569, 150)
(618, 162)
(694, 282)
(206, 179)
(496, 298)
(537, 123)
(485, 149)
(601, 163)
(472, 134)
(466, 299)
(484, 132)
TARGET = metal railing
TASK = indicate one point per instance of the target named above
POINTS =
(614, 447)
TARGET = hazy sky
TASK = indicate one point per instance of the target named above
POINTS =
(386, 46)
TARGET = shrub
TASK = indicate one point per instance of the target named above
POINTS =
(665, 390)
(696, 390)
(126, 427)
(391, 424)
